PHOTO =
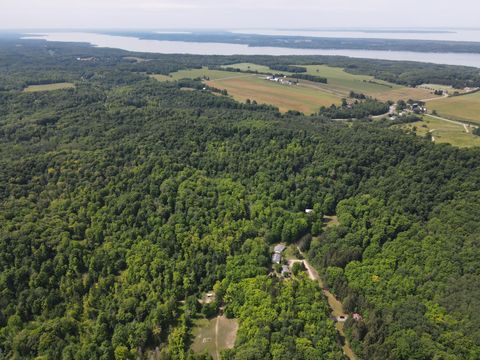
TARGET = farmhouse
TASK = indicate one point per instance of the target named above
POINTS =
(281, 80)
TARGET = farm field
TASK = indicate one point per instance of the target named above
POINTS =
(462, 108)
(445, 132)
(341, 83)
(344, 82)
(207, 73)
(308, 96)
(301, 98)
(214, 335)
(436, 87)
(49, 87)
(254, 67)
(161, 77)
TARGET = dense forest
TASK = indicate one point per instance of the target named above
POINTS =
(356, 110)
(125, 198)
(62, 58)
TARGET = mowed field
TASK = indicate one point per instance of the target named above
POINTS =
(340, 83)
(286, 97)
(214, 335)
(445, 132)
(254, 67)
(462, 108)
(205, 73)
(161, 77)
(306, 97)
(49, 87)
(343, 82)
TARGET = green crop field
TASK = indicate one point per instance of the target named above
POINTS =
(445, 132)
(205, 73)
(308, 96)
(254, 67)
(161, 77)
(463, 108)
(214, 335)
(343, 82)
(302, 98)
(49, 87)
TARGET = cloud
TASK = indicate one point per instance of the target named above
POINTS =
(235, 13)
(152, 5)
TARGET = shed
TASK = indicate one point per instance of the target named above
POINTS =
(276, 258)
(286, 271)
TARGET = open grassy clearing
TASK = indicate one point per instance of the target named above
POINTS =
(205, 73)
(331, 221)
(343, 82)
(462, 108)
(308, 96)
(161, 77)
(214, 335)
(445, 132)
(49, 87)
(436, 87)
(302, 98)
(254, 67)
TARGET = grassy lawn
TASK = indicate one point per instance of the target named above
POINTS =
(444, 132)
(463, 108)
(214, 335)
(302, 98)
(49, 87)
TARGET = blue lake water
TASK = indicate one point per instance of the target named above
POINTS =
(180, 47)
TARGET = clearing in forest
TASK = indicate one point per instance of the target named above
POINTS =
(254, 67)
(286, 97)
(445, 132)
(49, 87)
(161, 77)
(307, 96)
(214, 335)
(343, 82)
(461, 108)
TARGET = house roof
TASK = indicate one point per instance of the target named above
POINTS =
(276, 258)
(279, 248)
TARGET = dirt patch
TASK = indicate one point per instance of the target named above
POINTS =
(214, 335)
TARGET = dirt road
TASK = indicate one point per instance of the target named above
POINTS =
(335, 305)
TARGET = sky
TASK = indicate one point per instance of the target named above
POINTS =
(228, 14)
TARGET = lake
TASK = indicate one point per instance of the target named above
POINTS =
(180, 47)
(446, 34)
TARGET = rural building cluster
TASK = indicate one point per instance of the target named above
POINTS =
(281, 80)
